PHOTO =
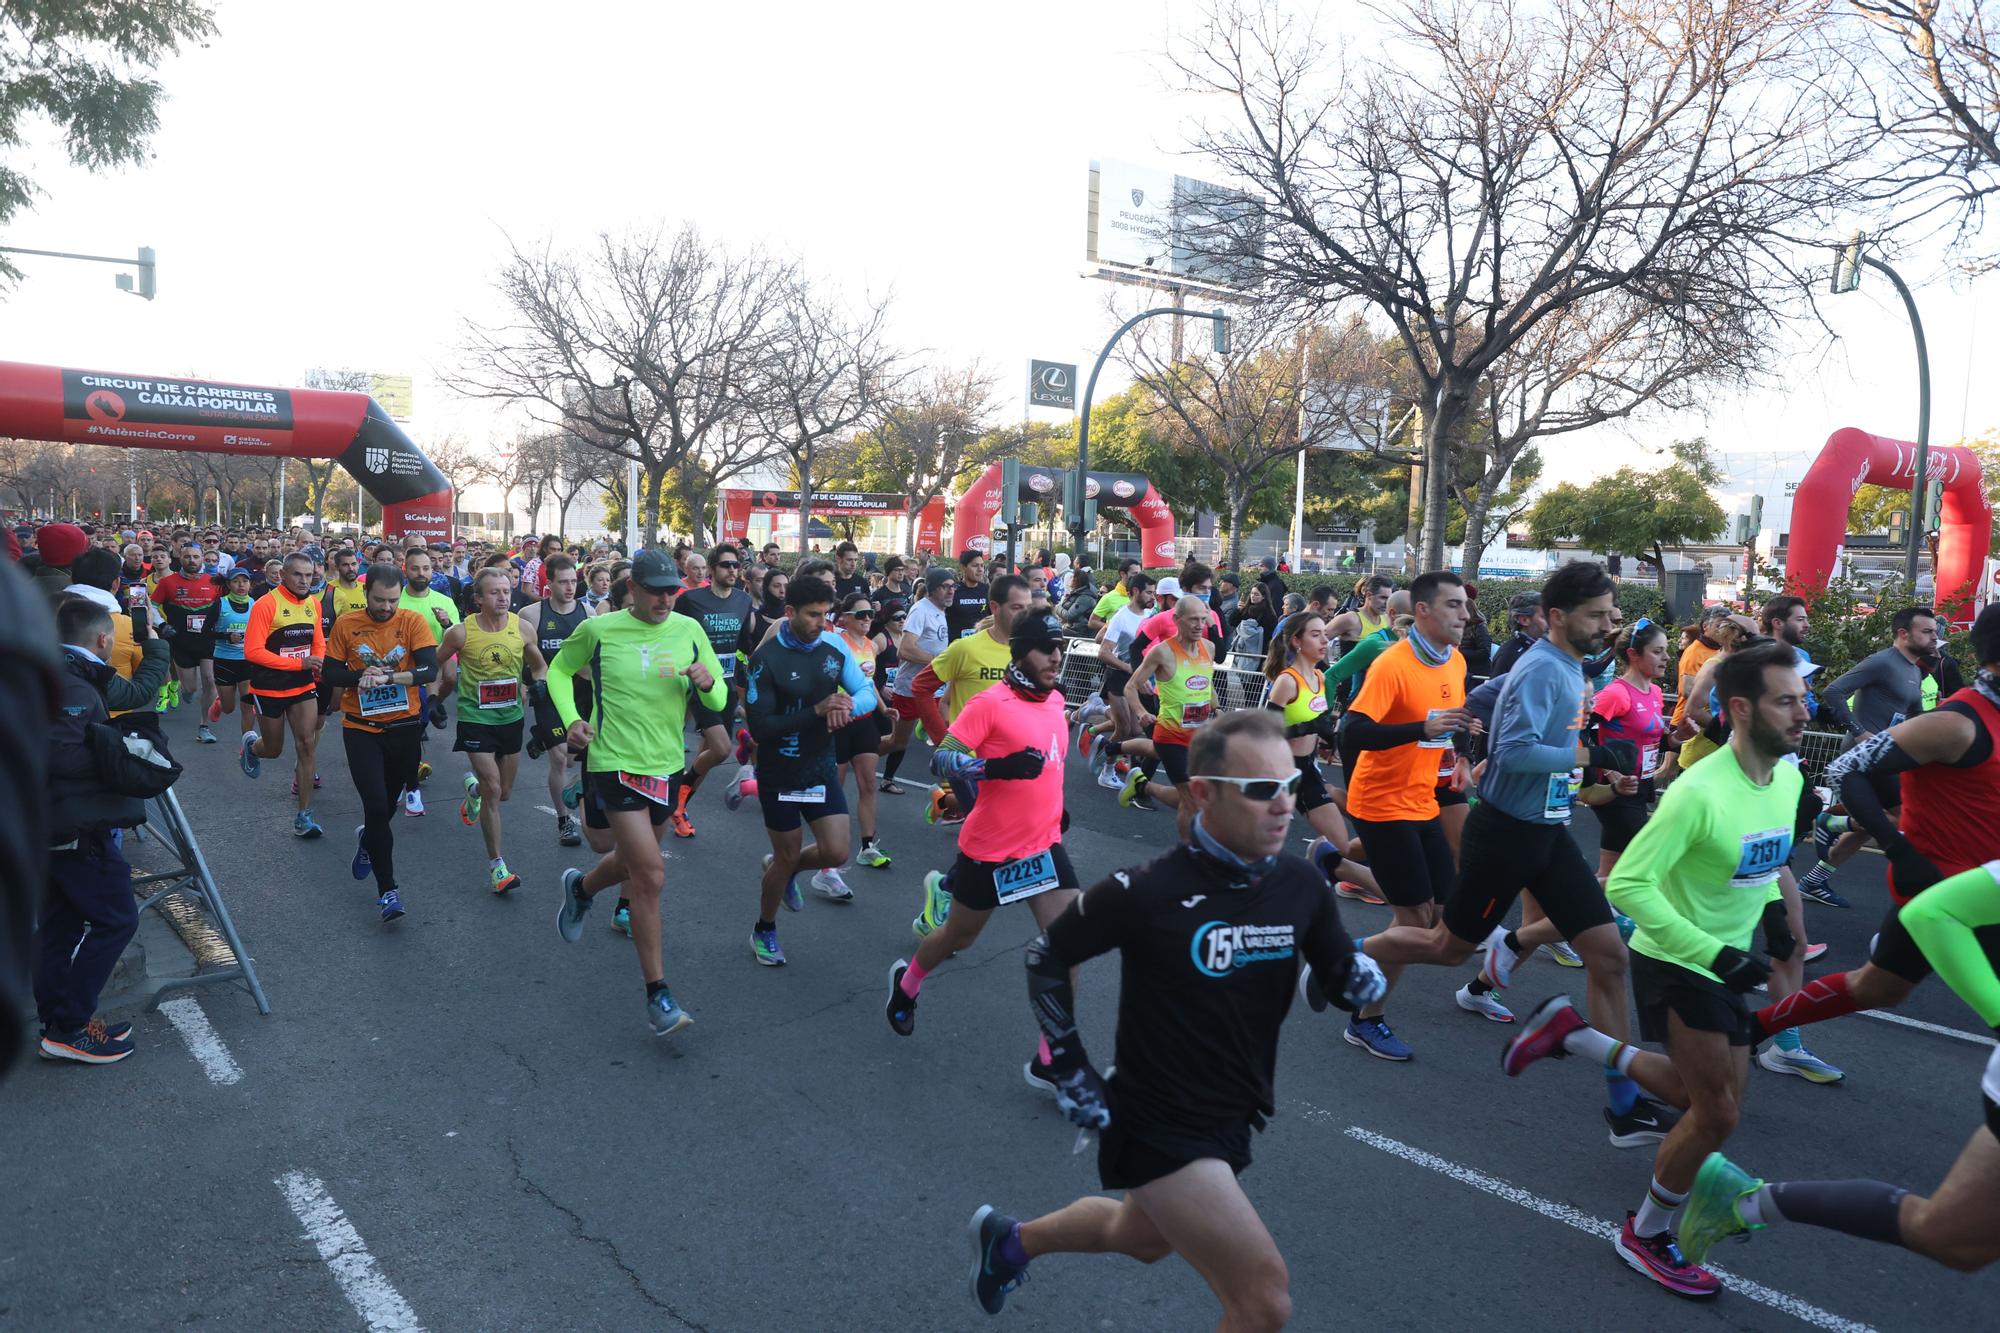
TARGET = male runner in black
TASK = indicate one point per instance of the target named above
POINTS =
(722, 609)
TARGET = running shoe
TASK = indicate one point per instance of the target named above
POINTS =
(1553, 1019)
(174, 694)
(748, 783)
(873, 857)
(1373, 1036)
(992, 1276)
(572, 792)
(1647, 1122)
(679, 817)
(215, 711)
(203, 736)
(742, 746)
(413, 802)
(621, 921)
(505, 880)
(1133, 793)
(1826, 831)
(575, 906)
(1101, 754)
(937, 905)
(468, 809)
(361, 866)
(902, 1008)
(1484, 1005)
(423, 770)
(666, 1017)
(305, 826)
(1110, 781)
(391, 904)
(794, 901)
(1309, 990)
(1821, 893)
(1039, 1076)
(765, 948)
(569, 833)
(1563, 954)
(1348, 889)
(251, 764)
(1498, 968)
(830, 885)
(1815, 952)
(938, 813)
(1626, 925)
(318, 782)
(1660, 1259)
(91, 1044)
(1801, 1063)
(1711, 1211)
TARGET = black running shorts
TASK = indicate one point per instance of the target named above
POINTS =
(1501, 856)
(1660, 989)
(1619, 821)
(1312, 787)
(494, 738)
(231, 671)
(277, 705)
(1129, 1156)
(603, 791)
(781, 816)
(1410, 857)
(971, 882)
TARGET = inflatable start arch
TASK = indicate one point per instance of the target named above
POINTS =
(162, 412)
(979, 508)
(1852, 458)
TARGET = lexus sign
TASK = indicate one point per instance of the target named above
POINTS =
(1051, 384)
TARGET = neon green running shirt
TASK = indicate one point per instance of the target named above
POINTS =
(640, 697)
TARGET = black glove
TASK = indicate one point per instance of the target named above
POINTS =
(1618, 756)
(1016, 767)
(1065, 820)
(1739, 971)
(435, 713)
(167, 630)
(1779, 942)
(548, 729)
(1913, 870)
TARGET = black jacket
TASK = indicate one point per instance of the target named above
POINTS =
(95, 782)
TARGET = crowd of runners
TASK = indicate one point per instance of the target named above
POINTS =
(1438, 776)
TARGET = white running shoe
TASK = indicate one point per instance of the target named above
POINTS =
(1563, 954)
(1801, 1063)
(1109, 779)
(828, 884)
(1486, 1006)
(413, 802)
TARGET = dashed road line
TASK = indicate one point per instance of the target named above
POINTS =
(185, 1013)
(340, 1245)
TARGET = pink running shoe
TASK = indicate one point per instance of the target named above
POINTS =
(1542, 1035)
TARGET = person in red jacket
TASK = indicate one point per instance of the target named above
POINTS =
(284, 646)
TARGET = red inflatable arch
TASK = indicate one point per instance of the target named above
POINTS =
(171, 412)
(1853, 457)
(978, 509)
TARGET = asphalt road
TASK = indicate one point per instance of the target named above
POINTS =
(466, 1124)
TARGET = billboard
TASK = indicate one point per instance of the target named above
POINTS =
(1052, 384)
(394, 393)
(1155, 222)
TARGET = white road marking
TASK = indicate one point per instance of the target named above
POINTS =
(340, 1245)
(546, 809)
(1883, 1015)
(1583, 1221)
(185, 1013)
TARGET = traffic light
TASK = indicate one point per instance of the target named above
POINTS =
(1933, 505)
(148, 285)
(1010, 490)
(1219, 323)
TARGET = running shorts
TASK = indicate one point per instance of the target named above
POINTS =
(231, 671)
(971, 882)
(1410, 857)
(1312, 787)
(190, 650)
(1619, 821)
(861, 736)
(1500, 855)
(906, 707)
(494, 738)
(1660, 989)
(1129, 1156)
(784, 816)
(1448, 797)
(277, 705)
(1895, 951)
(704, 718)
(603, 791)
(1174, 760)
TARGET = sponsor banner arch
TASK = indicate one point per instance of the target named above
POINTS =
(1852, 457)
(978, 509)
(66, 405)
(739, 503)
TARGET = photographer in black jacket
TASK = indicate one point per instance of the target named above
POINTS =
(96, 786)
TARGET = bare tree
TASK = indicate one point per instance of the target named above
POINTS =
(644, 343)
(579, 465)
(827, 369)
(935, 431)
(1501, 165)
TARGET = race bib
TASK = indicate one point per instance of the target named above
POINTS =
(195, 624)
(1762, 856)
(804, 796)
(298, 654)
(379, 699)
(236, 636)
(657, 790)
(1440, 742)
(728, 665)
(1563, 788)
(1196, 714)
(498, 693)
(1649, 760)
(1026, 877)
(1447, 765)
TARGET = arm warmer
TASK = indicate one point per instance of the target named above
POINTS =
(1848, 775)
(1368, 734)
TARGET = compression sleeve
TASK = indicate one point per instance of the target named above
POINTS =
(717, 694)
(854, 680)
(1367, 734)
(1849, 774)
(924, 690)
(1634, 886)
(952, 759)
(1942, 920)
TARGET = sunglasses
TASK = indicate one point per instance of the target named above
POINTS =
(729, 564)
(1256, 789)
(859, 613)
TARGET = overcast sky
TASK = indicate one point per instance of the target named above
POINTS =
(332, 187)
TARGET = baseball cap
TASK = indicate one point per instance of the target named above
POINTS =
(654, 571)
(1168, 587)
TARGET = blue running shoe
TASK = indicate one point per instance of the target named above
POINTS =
(1801, 1063)
(666, 1017)
(902, 1009)
(1626, 925)
(391, 904)
(794, 900)
(1821, 893)
(937, 905)
(575, 907)
(305, 826)
(572, 792)
(992, 1276)
(1373, 1036)
(621, 921)
(361, 865)
(764, 945)
(252, 765)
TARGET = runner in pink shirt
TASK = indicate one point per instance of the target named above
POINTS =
(1630, 709)
(1009, 739)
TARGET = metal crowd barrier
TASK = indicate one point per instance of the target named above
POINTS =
(1236, 686)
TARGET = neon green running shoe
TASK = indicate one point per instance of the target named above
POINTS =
(937, 905)
(468, 809)
(873, 857)
(1710, 1211)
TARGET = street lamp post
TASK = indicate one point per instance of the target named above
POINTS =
(1075, 501)
(1848, 264)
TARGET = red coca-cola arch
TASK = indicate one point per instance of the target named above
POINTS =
(174, 412)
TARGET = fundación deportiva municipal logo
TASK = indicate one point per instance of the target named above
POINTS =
(375, 460)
